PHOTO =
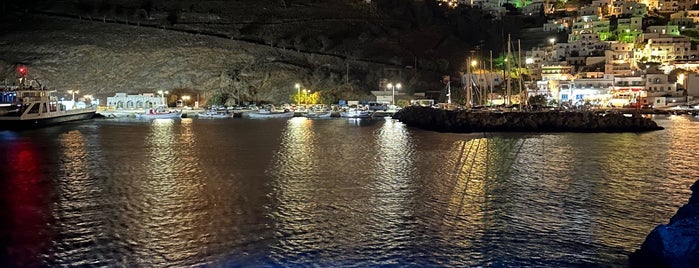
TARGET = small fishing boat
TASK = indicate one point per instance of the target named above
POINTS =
(356, 113)
(318, 114)
(266, 113)
(214, 114)
(159, 113)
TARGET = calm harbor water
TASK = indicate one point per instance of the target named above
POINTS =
(336, 192)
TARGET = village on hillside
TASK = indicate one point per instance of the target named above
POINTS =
(617, 54)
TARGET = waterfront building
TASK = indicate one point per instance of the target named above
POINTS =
(627, 90)
(590, 88)
(140, 101)
(659, 90)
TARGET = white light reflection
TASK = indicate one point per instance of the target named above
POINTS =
(394, 183)
(466, 168)
(295, 169)
(79, 214)
(168, 222)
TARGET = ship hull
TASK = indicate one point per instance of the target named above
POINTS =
(17, 123)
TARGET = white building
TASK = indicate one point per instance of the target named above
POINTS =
(141, 101)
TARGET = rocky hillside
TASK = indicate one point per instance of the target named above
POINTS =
(237, 50)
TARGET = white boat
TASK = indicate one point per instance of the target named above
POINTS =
(22, 108)
(214, 114)
(159, 113)
(265, 113)
(356, 113)
(318, 114)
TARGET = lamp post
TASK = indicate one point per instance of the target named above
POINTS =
(298, 93)
(162, 97)
(393, 92)
(184, 101)
(73, 92)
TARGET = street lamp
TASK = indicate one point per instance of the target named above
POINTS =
(73, 92)
(393, 92)
(162, 97)
(298, 93)
(184, 101)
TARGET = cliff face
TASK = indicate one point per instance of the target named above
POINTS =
(242, 50)
(675, 244)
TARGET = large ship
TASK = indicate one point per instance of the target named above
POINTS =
(25, 107)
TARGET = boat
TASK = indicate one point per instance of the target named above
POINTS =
(23, 108)
(318, 114)
(266, 113)
(159, 113)
(213, 114)
(356, 113)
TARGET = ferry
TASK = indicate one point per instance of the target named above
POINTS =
(22, 108)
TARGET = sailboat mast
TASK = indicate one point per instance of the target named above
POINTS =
(468, 83)
(522, 93)
(490, 82)
(507, 72)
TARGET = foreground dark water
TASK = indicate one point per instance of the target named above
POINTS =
(335, 192)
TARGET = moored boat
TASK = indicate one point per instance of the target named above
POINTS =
(318, 114)
(265, 113)
(22, 108)
(159, 113)
(213, 114)
(356, 113)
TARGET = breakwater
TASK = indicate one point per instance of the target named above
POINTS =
(675, 244)
(465, 121)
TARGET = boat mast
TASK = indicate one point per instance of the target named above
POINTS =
(522, 93)
(507, 73)
(490, 82)
(468, 83)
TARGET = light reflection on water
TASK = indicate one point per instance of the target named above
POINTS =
(301, 192)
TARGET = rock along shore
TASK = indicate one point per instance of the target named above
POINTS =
(675, 244)
(464, 121)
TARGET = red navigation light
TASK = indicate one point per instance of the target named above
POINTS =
(22, 71)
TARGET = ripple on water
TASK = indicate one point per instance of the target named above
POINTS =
(337, 193)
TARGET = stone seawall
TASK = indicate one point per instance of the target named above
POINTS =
(675, 244)
(546, 121)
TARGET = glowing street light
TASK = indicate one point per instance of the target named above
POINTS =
(73, 92)
(393, 89)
